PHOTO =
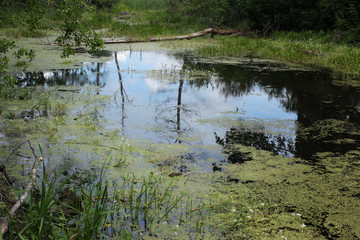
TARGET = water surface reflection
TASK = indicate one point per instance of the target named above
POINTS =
(174, 98)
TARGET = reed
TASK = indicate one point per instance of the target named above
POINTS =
(39, 221)
(144, 202)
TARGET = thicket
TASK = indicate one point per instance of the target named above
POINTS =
(342, 17)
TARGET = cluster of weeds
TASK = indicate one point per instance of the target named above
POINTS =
(86, 206)
(146, 201)
(91, 120)
(124, 149)
(59, 109)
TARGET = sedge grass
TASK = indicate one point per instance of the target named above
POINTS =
(146, 201)
(315, 51)
(152, 24)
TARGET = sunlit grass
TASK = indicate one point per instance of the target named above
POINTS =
(317, 51)
(151, 24)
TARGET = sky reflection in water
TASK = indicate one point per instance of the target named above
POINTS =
(169, 97)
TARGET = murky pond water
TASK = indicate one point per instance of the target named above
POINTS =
(186, 115)
(175, 98)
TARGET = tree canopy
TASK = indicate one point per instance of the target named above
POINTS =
(340, 16)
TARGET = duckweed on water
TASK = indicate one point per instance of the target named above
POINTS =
(327, 202)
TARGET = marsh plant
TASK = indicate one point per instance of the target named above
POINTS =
(123, 151)
(38, 220)
(87, 206)
(59, 109)
(92, 119)
(82, 214)
(141, 203)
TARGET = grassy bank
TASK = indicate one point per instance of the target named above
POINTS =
(301, 48)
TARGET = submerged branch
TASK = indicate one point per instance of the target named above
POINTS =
(181, 37)
(16, 206)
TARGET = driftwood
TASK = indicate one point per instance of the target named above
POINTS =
(181, 37)
(4, 220)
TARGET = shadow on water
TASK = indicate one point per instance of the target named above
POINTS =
(174, 98)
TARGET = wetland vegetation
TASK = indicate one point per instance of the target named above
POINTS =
(249, 136)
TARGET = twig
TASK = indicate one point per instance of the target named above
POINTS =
(211, 206)
(202, 172)
(7, 177)
(16, 206)
(14, 150)
(99, 145)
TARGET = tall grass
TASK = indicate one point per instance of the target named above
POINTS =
(307, 48)
(40, 218)
(145, 4)
(146, 201)
(101, 20)
(153, 24)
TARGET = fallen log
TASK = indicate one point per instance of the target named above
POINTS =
(4, 220)
(181, 37)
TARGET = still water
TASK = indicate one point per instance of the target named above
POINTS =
(217, 111)
(169, 97)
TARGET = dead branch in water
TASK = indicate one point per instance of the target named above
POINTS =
(16, 206)
(181, 37)
(6, 175)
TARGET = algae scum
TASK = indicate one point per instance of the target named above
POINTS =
(260, 150)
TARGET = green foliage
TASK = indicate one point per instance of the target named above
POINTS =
(28, 53)
(266, 16)
(34, 13)
(6, 81)
(5, 45)
(74, 30)
(209, 12)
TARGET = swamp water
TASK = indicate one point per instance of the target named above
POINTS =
(259, 149)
